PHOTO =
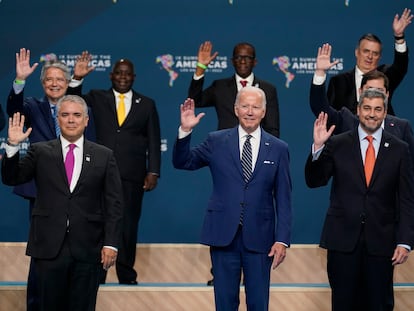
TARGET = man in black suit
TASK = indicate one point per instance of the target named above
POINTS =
(222, 93)
(343, 119)
(343, 88)
(40, 115)
(369, 226)
(135, 142)
(76, 221)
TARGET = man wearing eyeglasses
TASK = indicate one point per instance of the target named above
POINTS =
(221, 94)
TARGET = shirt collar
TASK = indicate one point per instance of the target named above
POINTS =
(65, 143)
(249, 79)
(128, 94)
(377, 134)
(255, 134)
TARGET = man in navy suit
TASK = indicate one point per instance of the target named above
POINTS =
(222, 93)
(343, 119)
(369, 225)
(248, 218)
(136, 144)
(40, 115)
(343, 88)
(76, 221)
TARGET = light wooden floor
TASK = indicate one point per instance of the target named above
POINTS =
(172, 277)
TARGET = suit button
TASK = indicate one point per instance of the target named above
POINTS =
(118, 131)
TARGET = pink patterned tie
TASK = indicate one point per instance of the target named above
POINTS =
(70, 163)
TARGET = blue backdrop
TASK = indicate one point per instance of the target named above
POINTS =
(162, 38)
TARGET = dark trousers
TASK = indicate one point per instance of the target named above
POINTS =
(64, 283)
(133, 194)
(228, 264)
(360, 281)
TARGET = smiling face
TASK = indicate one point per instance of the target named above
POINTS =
(122, 76)
(371, 113)
(72, 119)
(55, 84)
(250, 108)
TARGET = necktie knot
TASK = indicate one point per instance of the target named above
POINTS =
(243, 83)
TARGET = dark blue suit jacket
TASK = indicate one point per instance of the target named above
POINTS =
(344, 120)
(39, 117)
(266, 198)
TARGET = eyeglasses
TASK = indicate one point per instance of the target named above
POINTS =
(246, 58)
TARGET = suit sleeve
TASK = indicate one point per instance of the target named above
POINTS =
(15, 103)
(154, 141)
(405, 229)
(318, 172)
(16, 171)
(112, 204)
(201, 98)
(282, 196)
(408, 137)
(318, 101)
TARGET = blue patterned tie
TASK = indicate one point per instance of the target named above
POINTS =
(55, 122)
(246, 159)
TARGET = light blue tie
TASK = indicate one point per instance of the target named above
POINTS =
(55, 122)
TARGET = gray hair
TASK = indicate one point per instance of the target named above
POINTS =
(251, 89)
(55, 64)
(74, 99)
(373, 92)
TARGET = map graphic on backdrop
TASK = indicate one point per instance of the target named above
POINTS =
(174, 65)
(301, 65)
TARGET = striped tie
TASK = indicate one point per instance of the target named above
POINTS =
(246, 159)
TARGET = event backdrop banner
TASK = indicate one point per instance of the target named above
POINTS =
(162, 38)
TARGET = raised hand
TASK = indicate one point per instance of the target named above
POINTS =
(204, 53)
(323, 59)
(82, 67)
(188, 118)
(320, 133)
(15, 132)
(23, 68)
(400, 23)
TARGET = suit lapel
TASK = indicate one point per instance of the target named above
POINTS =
(356, 154)
(380, 161)
(87, 161)
(264, 149)
(59, 161)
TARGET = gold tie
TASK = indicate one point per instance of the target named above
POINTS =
(369, 159)
(121, 109)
